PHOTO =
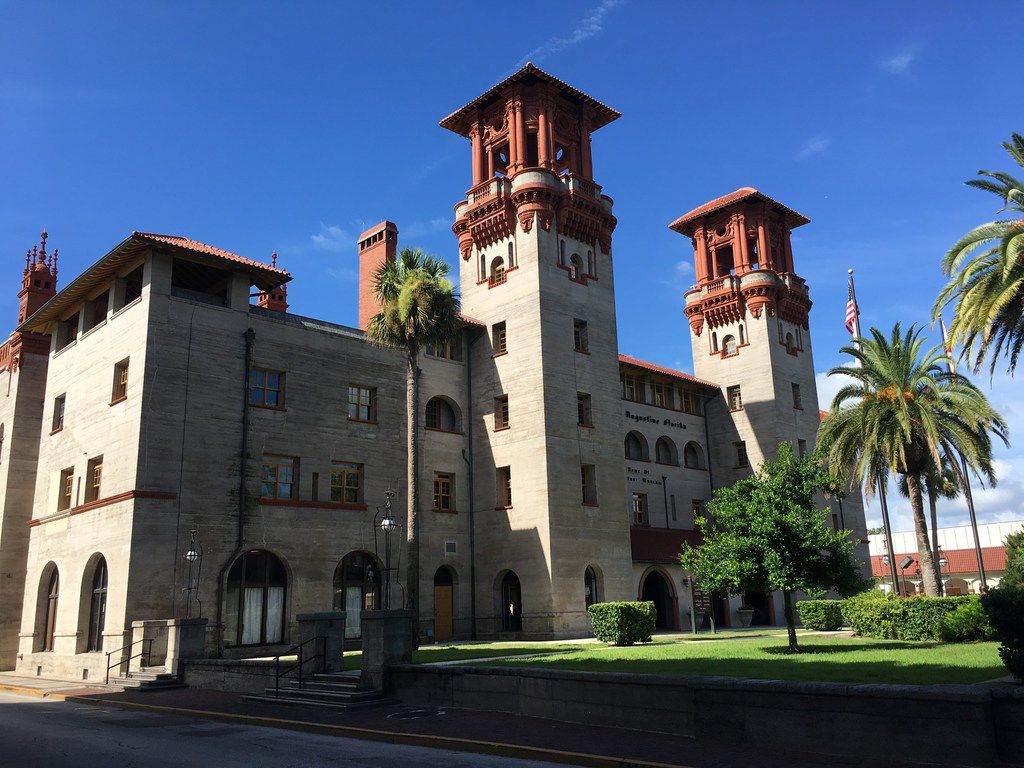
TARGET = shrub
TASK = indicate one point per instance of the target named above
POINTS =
(889, 617)
(822, 615)
(1004, 607)
(623, 623)
(967, 622)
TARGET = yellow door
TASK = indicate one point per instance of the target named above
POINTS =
(442, 613)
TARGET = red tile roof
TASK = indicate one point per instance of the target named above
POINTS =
(603, 114)
(627, 360)
(797, 219)
(958, 561)
(822, 415)
(471, 320)
(195, 246)
(659, 545)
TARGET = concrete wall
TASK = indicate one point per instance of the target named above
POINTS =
(944, 725)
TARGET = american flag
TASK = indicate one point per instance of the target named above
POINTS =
(851, 310)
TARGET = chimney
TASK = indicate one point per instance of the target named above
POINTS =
(376, 245)
(277, 297)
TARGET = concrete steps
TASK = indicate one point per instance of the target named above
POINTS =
(328, 691)
(146, 680)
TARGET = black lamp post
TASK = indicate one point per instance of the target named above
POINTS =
(905, 563)
(385, 523)
(193, 568)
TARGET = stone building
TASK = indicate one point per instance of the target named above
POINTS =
(151, 401)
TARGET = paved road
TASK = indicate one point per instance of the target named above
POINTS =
(49, 734)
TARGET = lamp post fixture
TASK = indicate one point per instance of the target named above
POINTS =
(386, 525)
(943, 562)
(905, 563)
(193, 568)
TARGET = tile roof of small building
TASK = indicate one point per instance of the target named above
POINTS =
(957, 561)
(741, 194)
(603, 113)
(627, 360)
(188, 244)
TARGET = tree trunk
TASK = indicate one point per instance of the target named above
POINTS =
(933, 509)
(924, 548)
(412, 400)
(787, 601)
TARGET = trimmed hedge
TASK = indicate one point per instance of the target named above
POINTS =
(623, 623)
(968, 622)
(822, 615)
(889, 617)
(1004, 606)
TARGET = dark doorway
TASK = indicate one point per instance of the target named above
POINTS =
(444, 585)
(761, 603)
(511, 604)
(658, 591)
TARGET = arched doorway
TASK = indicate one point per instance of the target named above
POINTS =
(657, 589)
(444, 603)
(255, 600)
(761, 602)
(511, 603)
(46, 612)
(591, 587)
(97, 607)
(356, 589)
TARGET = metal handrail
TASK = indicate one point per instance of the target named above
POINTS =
(147, 651)
(301, 660)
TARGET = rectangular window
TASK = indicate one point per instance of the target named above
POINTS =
(266, 388)
(797, 402)
(588, 478)
(697, 508)
(584, 414)
(66, 489)
(133, 285)
(120, 391)
(58, 413)
(632, 388)
(640, 509)
(362, 403)
(501, 412)
(663, 394)
(96, 311)
(444, 492)
(93, 478)
(672, 503)
(688, 401)
(67, 331)
(447, 350)
(347, 483)
(277, 477)
(314, 488)
(580, 340)
(735, 398)
(499, 340)
(504, 488)
(741, 454)
(801, 448)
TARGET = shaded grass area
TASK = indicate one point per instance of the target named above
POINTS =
(835, 659)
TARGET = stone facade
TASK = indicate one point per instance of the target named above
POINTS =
(171, 403)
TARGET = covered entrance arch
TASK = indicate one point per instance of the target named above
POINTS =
(511, 598)
(356, 589)
(657, 588)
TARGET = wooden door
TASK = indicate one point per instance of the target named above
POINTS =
(442, 612)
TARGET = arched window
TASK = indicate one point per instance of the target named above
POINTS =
(789, 342)
(561, 252)
(46, 622)
(714, 341)
(693, 456)
(591, 588)
(729, 345)
(636, 447)
(441, 414)
(742, 336)
(497, 271)
(511, 255)
(483, 266)
(511, 603)
(665, 452)
(255, 599)
(97, 607)
(357, 582)
(575, 267)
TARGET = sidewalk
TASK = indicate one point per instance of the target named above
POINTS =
(46, 688)
(482, 732)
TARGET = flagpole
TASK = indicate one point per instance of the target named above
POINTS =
(886, 526)
(965, 481)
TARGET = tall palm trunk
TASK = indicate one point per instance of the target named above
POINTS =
(412, 401)
(933, 509)
(929, 578)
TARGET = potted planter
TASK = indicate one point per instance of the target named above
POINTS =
(746, 614)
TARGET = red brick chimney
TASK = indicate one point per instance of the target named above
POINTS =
(277, 297)
(376, 245)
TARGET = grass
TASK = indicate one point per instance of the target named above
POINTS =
(836, 659)
(429, 654)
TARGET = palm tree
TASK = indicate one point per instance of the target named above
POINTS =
(904, 413)
(938, 484)
(419, 307)
(986, 268)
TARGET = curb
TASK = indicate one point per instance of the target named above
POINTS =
(496, 749)
(23, 690)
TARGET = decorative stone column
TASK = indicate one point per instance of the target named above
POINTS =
(331, 626)
(389, 638)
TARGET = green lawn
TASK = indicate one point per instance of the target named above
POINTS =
(428, 654)
(838, 659)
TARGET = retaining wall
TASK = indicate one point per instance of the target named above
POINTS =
(238, 675)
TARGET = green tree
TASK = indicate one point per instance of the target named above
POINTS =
(1013, 576)
(419, 307)
(765, 533)
(904, 414)
(986, 268)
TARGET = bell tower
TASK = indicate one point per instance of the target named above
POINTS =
(534, 232)
(38, 280)
(748, 317)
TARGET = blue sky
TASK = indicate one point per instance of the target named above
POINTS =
(262, 127)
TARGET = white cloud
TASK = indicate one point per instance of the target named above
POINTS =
(827, 387)
(899, 63)
(589, 26)
(816, 145)
(334, 238)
